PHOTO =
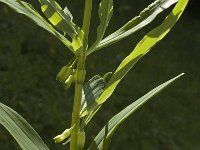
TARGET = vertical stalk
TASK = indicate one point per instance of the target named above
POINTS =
(80, 77)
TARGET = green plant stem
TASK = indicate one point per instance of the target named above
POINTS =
(80, 77)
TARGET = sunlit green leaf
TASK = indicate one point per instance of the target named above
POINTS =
(105, 14)
(144, 18)
(62, 20)
(27, 9)
(57, 17)
(140, 50)
(103, 139)
(23, 133)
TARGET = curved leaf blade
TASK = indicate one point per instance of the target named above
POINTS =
(20, 129)
(60, 19)
(27, 10)
(105, 14)
(91, 92)
(145, 17)
(103, 139)
(144, 46)
(63, 21)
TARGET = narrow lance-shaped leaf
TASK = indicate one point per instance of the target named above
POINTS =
(137, 23)
(140, 50)
(27, 10)
(105, 14)
(57, 17)
(62, 20)
(23, 133)
(103, 139)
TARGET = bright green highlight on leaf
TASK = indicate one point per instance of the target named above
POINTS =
(138, 22)
(90, 96)
(44, 8)
(55, 19)
(102, 140)
(140, 50)
(29, 11)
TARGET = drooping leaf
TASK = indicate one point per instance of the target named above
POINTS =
(58, 17)
(21, 130)
(62, 20)
(144, 18)
(91, 92)
(105, 14)
(144, 46)
(27, 10)
(103, 139)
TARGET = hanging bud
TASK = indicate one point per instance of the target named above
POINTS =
(64, 73)
(63, 136)
(68, 82)
(61, 73)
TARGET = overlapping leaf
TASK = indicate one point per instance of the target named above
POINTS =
(140, 50)
(102, 140)
(144, 18)
(91, 92)
(23, 133)
(27, 9)
(60, 19)
(105, 14)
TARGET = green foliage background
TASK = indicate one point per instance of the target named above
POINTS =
(30, 59)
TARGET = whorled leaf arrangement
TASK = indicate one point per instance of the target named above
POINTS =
(90, 96)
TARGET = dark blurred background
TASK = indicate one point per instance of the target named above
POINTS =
(30, 59)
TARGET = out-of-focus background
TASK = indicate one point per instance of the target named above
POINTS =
(30, 59)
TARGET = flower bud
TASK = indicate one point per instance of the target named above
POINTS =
(63, 136)
(68, 82)
(64, 73)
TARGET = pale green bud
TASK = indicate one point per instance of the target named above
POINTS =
(61, 73)
(68, 82)
(64, 73)
(63, 136)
